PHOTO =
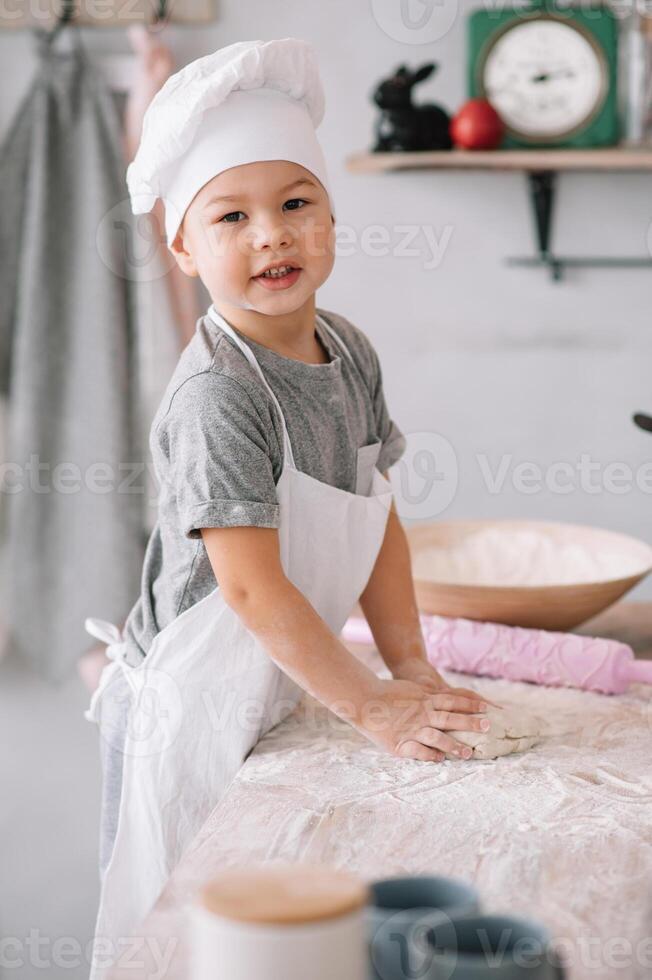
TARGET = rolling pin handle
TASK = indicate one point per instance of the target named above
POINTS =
(639, 671)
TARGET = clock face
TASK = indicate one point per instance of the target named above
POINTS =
(544, 78)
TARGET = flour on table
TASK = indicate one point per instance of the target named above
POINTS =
(512, 730)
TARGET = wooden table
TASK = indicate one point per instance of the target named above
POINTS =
(562, 833)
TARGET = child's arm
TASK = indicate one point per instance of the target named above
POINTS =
(390, 607)
(398, 715)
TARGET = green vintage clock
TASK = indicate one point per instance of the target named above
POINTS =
(549, 71)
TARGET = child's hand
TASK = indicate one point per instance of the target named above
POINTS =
(409, 721)
(420, 671)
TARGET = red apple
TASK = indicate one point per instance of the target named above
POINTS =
(477, 126)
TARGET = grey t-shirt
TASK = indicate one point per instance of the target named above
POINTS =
(217, 449)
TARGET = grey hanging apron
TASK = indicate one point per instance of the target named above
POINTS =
(71, 514)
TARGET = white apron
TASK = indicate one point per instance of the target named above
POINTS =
(207, 691)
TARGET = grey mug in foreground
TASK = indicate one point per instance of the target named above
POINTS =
(401, 915)
(491, 947)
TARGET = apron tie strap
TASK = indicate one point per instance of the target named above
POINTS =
(103, 630)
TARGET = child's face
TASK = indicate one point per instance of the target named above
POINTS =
(277, 211)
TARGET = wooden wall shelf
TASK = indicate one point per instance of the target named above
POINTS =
(616, 159)
(541, 168)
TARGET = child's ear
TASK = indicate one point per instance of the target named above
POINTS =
(182, 256)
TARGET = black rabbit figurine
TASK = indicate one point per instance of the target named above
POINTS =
(402, 126)
(643, 421)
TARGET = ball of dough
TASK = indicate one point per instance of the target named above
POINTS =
(512, 730)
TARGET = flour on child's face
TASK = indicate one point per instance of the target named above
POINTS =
(265, 221)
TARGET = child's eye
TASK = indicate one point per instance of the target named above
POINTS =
(229, 215)
(295, 200)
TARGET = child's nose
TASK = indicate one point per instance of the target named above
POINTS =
(271, 233)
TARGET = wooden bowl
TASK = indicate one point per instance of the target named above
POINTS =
(448, 584)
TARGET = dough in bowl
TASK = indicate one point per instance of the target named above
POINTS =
(512, 730)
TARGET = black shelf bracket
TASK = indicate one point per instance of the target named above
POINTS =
(541, 186)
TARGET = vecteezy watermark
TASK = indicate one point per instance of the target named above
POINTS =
(373, 241)
(141, 711)
(66, 477)
(141, 715)
(134, 246)
(585, 475)
(96, 12)
(379, 241)
(397, 948)
(38, 951)
(590, 9)
(426, 477)
(415, 21)
(400, 943)
(411, 943)
(427, 21)
(594, 10)
(582, 954)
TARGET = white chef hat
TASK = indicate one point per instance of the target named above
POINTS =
(249, 101)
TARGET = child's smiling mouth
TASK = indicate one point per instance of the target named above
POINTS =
(276, 281)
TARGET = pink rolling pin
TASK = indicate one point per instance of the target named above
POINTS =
(537, 656)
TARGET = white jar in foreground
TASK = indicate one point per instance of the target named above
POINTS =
(280, 922)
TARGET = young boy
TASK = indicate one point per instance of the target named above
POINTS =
(272, 435)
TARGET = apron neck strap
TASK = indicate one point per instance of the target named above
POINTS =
(288, 455)
(336, 337)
